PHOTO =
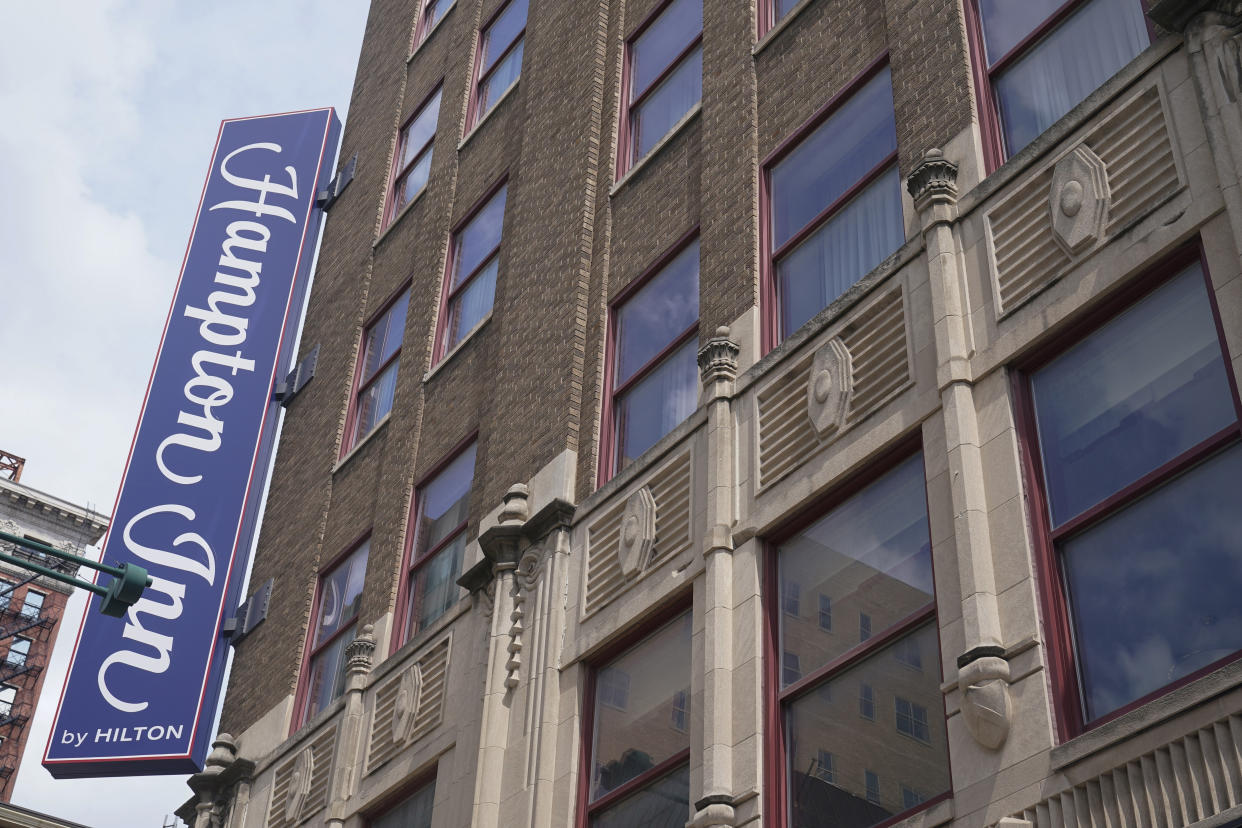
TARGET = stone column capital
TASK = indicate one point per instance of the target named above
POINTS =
(718, 362)
(933, 182)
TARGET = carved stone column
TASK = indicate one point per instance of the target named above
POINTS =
(501, 545)
(718, 365)
(219, 787)
(983, 674)
(1213, 32)
(352, 735)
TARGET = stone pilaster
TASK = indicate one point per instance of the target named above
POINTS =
(718, 366)
(352, 735)
(983, 674)
(1213, 33)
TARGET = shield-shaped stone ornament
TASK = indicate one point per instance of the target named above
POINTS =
(1079, 200)
(830, 386)
(405, 705)
(637, 532)
(299, 784)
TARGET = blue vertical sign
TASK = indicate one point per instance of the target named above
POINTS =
(142, 690)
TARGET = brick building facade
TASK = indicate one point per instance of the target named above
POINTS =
(31, 607)
(784, 413)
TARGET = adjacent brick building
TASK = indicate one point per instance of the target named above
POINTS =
(784, 413)
(31, 606)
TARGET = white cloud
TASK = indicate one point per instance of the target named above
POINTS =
(111, 110)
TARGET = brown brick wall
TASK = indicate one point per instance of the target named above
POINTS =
(530, 380)
(29, 685)
(932, 92)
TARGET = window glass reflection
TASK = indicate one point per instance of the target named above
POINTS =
(1139, 391)
(870, 556)
(654, 405)
(1153, 590)
(658, 312)
(664, 804)
(1066, 66)
(907, 745)
(635, 733)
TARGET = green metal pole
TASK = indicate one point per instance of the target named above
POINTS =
(128, 581)
(115, 571)
(52, 573)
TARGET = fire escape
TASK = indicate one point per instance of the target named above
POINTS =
(20, 666)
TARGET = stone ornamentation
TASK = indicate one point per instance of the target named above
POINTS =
(830, 386)
(1079, 200)
(638, 526)
(299, 785)
(405, 705)
(933, 180)
(986, 708)
(718, 358)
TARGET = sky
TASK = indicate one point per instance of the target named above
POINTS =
(110, 110)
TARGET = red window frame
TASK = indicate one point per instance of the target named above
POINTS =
(397, 176)
(766, 18)
(422, 26)
(362, 384)
(309, 650)
(769, 316)
(399, 797)
(448, 292)
(609, 442)
(1066, 687)
(993, 139)
(655, 621)
(411, 559)
(776, 740)
(479, 75)
(625, 143)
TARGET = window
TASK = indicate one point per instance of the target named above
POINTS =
(474, 260)
(866, 701)
(614, 688)
(336, 609)
(1136, 428)
(412, 812)
(872, 547)
(823, 766)
(872, 781)
(791, 668)
(640, 766)
(791, 598)
(911, 798)
(500, 57)
(681, 710)
(655, 373)
(912, 720)
(18, 650)
(825, 612)
(772, 12)
(1036, 61)
(6, 593)
(436, 542)
(907, 652)
(32, 605)
(664, 80)
(377, 370)
(428, 16)
(7, 696)
(412, 163)
(834, 204)
(864, 626)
